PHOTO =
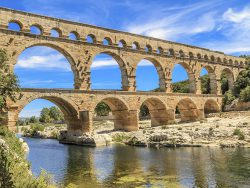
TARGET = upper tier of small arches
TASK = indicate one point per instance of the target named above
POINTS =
(115, 41)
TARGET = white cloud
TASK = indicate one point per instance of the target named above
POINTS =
(51, 61)
(177, 22)
(237, 17)
(236, 32)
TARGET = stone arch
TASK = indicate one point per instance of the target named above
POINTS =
(107, 41)
(91, 38)
(181, 53)
(191, 55)
(159, 113)
(191, 76)
(67, 55)
(122, 44)
(148, 48)
(75, 35)
(68, 108)
(230, 77)
(211, 106)
(122, 67)
(212, 79)
(188, 110)
(160, 50)
(20, 24)
(59, 32)
(120, 111)
(160, 72)
(135, 45)
(39, 27)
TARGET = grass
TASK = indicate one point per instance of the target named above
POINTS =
(120, 138)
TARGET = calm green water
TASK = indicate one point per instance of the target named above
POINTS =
(124, 166)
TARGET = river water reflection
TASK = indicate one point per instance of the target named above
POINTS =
(124, 166)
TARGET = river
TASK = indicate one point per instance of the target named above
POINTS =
(125, 166)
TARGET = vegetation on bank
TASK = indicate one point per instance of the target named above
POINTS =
(14, 169)
(241, 88)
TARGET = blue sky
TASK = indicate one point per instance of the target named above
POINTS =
(222, 25)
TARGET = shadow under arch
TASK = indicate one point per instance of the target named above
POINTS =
(158, 111)
(68, 109)
(188, 110)
(160, 72)
(62, 51)
(211, 106)
(212, 79)
(122, 67)
(191, 76)
(120, 112)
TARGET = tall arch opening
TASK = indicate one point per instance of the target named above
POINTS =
(150, 76)
(44, 67)
(155, 110)
(211, 106)
(183, 79)
(108, 72)
(187, 110)
(227, 80)
(208, 80)
(115, 111)
(47, 111)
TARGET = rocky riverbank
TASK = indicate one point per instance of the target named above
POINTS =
(230, 129)
(227, 129)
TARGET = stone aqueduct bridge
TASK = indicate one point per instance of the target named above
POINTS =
(127, 49)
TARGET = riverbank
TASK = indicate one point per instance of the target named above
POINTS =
(227, 129)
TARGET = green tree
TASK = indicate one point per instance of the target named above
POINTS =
(181, 87)
(102, 109)
(205, 84)
(33, 119)
(45, 116)
(9, 86)
(55, 114)
(245, 94)
(242, 81)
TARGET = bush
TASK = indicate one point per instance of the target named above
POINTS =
(245, 94)
(120, 138)
(228, 97)
(14, 169)
(239, 133)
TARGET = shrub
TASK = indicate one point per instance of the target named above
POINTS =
(245, 94)
(120, 138)
(239, 133)
(179, 128)
(228, 97)
(196, 129)
(14, 169)
(164, 126)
